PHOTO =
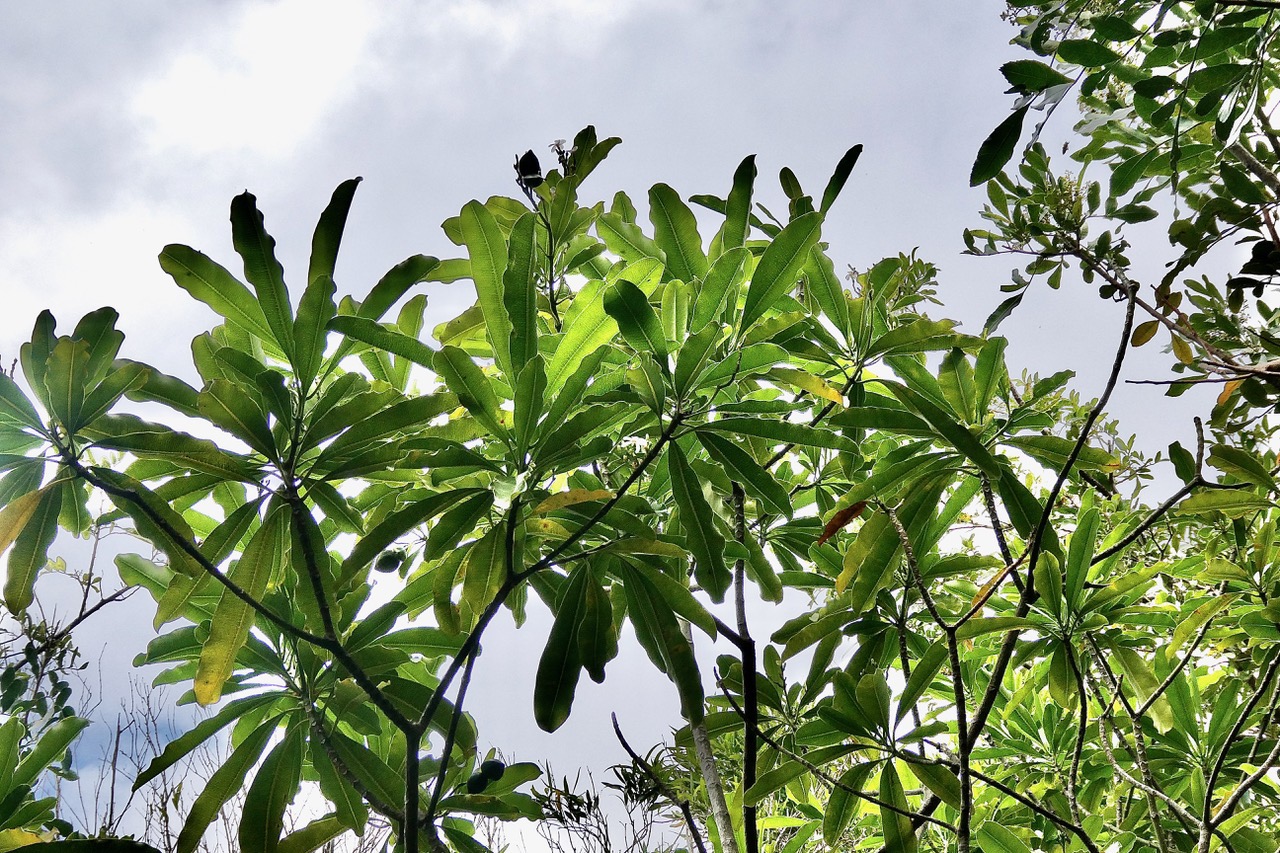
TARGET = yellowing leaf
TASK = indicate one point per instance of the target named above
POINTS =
(815, 385)
(15, 515)
(1228, 390)
(1144, 332)
(1182, 350)
(569, 498)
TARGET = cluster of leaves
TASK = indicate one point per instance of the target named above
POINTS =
(1176, 104)
(640, 425)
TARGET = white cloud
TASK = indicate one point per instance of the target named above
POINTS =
(263, 84)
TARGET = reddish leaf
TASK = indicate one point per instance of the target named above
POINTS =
(840, 520)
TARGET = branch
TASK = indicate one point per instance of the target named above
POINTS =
(682, 804)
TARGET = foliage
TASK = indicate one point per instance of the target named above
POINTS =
(1007, 649)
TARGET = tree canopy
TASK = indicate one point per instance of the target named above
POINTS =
(640, 425)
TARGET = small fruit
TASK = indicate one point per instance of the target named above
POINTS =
(492, 769)
(389, 561)
(476, 783)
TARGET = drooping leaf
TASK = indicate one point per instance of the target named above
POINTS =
(675, 230)
(223, 785)
(703, 538)
(995, 151)
(257, 249)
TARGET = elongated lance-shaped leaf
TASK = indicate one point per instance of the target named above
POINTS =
(233, 617)
(838, 178)
(520, 290)
(560, 665)
(488, 251)
(678, 597)
(227, 405)
(997, 149)
(52, 745)
(311, 328)
(97, 329)
(530, 395)
(737, 211)
(660, 635)
(272, 789)
(31, 550)
(1080, 554)
(825, 287)
(349, 806)
(15, 409)
(587, 327)
(781, 432)
(182, 746)
(223, 785)
(314, 835)
(467, 380)
(899, 836)
(739, 465)
(213, 285)
(375, 334)
(780, 265)
(842, 804)
(263, 272)
(922, 675)
(720, 284)
(636, 319)
(955, 434)
(485, 569)
(701, 534)
(597, 637)
(66, 375)
(328, 234)
(675, 230)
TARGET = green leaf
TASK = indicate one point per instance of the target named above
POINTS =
(955, 434)
(485, 569)
(314, 835)
(941, 781)
(827, 289)
(328, 234)
(223, 785)
(779, 266)
(996, 838)
(520, 290)
(838, 178)
(233, 618)
(995, 152)
(842, 803)
(737, 211)
(255, 246)
(782, 432)
(311, 328)
(561, 660)
(177, 749)
(1235, 503)
(922, 674)
(488, 251)
(227, 405)
(723, 279)
(675, 230)
(15, 408)
(678, 598)
(659, 634)
(1028, 76)
(53, 743)
(701, 535)
(396, 525)
(899, 837)
(636, 319)
(1053, 451)
(587, 327)
(31, 544)
(987, 625)
(66, 375)
(1084, 52)
(739, 465)
(271, 792)
(467, 380)
(213, 285)
(377, 335)
(1242, 464)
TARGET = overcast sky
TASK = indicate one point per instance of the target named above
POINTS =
(129, 125)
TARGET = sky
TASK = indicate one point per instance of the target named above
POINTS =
(130, 125)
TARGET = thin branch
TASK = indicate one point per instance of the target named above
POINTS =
(682, 804)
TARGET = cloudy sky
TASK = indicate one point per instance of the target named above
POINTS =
(130, 125)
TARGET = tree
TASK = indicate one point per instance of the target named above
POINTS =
(637, 424)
